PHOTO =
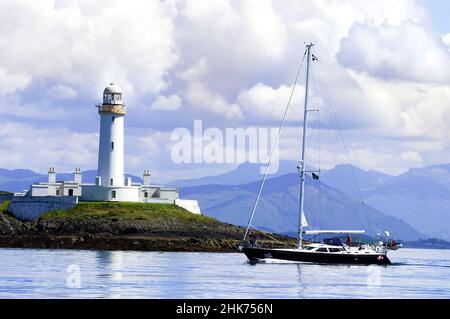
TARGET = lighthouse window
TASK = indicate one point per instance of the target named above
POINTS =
(113, 194)
(146, 194)
(113, 118)
(111, 182)
(108, 97)
(112, 145)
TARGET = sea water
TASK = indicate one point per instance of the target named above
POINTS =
(40, 273)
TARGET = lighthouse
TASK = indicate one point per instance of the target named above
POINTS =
(110, 183)
(111, 144)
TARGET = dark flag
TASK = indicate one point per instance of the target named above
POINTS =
(315, 176)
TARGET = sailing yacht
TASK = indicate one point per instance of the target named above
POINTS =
(329, 251)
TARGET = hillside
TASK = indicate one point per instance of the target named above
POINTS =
(122, 226)
(353, 181)
(278, 208)
(420, 196)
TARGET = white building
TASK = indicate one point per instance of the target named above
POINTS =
(110, 184)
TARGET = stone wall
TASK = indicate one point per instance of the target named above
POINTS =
(31, 208)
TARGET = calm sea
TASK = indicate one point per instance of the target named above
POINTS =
(31, 273)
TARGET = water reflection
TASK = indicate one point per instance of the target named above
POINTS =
(110, 272)
(301, 289)
(42, 274)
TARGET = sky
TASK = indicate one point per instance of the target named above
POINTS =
(383, 79)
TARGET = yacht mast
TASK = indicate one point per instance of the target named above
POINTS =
(302, 163)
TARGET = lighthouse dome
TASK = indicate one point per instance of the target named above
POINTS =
(112, 94)
(112, 88)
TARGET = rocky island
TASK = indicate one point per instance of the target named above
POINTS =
(125, 226)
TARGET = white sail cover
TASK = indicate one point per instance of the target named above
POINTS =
(303, 220)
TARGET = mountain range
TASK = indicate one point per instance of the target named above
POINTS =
(412, 205)
(420, 197)
(325, 207)
(244, 173)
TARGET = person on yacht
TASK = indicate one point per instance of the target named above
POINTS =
(349, 241)
(252, 241)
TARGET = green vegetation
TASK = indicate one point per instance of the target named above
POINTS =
(124, 226)
(128, 211)
(4, 207)
(5, 193)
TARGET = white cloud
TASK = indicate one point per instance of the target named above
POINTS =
(201, 98)
(235, 38)
(10, 82)
(264, 102)
(167, 103)
(195, 71)
(407, 52)
(446, 40)
(412, 157)
(87, 44)
(62, 92)
(25, 146)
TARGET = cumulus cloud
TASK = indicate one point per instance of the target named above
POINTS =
(446, 40)
(62, 92)
(10, 82)
(167, 103)
(407, 52)
(200, 97)
(86, 44)
(263, 101)
(43, 147)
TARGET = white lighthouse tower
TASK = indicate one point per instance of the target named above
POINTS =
(111, 145)
(110, 184)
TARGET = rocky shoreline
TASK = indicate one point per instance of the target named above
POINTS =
(110, 227)
(135, 243)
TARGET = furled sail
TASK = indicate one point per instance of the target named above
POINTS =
(303, 220)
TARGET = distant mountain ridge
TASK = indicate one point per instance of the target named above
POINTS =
(352, 180)
(244, 173)
(421, 196)
(278, 208)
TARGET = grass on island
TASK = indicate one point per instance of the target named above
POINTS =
(4, 207)
(127, 211)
